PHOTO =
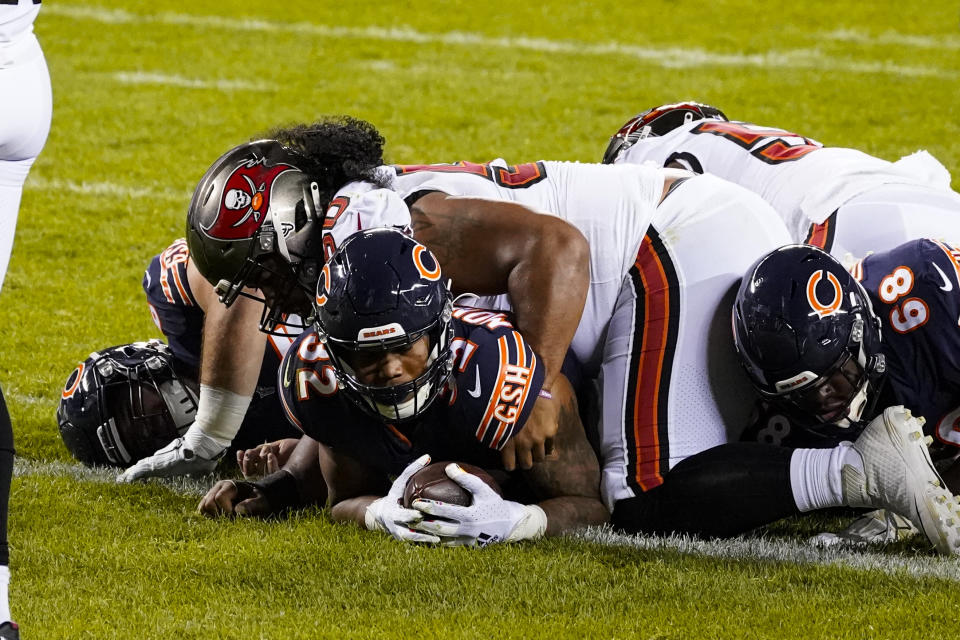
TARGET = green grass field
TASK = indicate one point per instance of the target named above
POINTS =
(148, 94)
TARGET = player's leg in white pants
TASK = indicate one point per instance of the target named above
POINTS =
(25, 112)
(671, 385)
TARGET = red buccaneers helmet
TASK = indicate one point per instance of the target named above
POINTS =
(255, 221)
(657, 122)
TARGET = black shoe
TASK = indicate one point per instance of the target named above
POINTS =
(9, 631)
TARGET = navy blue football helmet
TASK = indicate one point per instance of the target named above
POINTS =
(382, 290)
(799, 321)
(657, 122)
(255, 220)
(123, 403)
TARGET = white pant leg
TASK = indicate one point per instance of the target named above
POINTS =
(671, 385)
(887, 216)
(25, 112)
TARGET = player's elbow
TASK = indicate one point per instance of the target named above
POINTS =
(565, 241)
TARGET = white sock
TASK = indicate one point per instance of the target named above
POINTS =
(4, 600)
(815, 475)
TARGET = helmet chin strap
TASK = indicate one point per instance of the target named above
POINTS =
(857, 406)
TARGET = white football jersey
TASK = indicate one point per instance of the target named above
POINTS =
(16, 19)
(800, 178)
(611, 205)
(361, 205)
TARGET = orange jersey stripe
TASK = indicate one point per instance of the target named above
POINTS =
(646, 417)
(495, 394)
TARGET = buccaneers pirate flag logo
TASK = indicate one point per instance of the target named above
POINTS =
(245, 200)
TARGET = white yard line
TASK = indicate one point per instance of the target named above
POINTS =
(140, 77)
(788, 552)
(750, 549)
(111, 189)
(894, 38)
(76, 471)
(667, 57)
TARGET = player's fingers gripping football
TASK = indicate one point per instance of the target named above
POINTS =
(489, 519)
(388, 513)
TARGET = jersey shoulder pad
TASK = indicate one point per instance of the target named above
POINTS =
(497, 378)
(362, 205)
(457, 179)
(165, 280)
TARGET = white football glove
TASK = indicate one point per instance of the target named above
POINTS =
(490, 519)
(181, 457)
(388, 513)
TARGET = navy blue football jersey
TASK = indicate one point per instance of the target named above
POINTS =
(495, 382)
(915, 290)
(172, 306)
(178, 316)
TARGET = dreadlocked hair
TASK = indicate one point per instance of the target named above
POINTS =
(338, 150)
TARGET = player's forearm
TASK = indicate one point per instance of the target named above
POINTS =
(570, 513)
(232, 349)
(231, 356)
(548, 294)
(492, 247)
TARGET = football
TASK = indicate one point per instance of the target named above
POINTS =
(432, 483)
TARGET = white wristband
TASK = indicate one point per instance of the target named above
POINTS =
(531, 527)
(370, 517)
(220, 412)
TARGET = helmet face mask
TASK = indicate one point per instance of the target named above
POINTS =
(395, 403)
(380, 293)
(249, 210)
(807, 335)
(124, 403)
(657, 122)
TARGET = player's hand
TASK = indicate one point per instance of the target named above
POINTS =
(490, 519)
(266, 458)
(534, 442)
(230, 498)
(388, 513)
(175, 459)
